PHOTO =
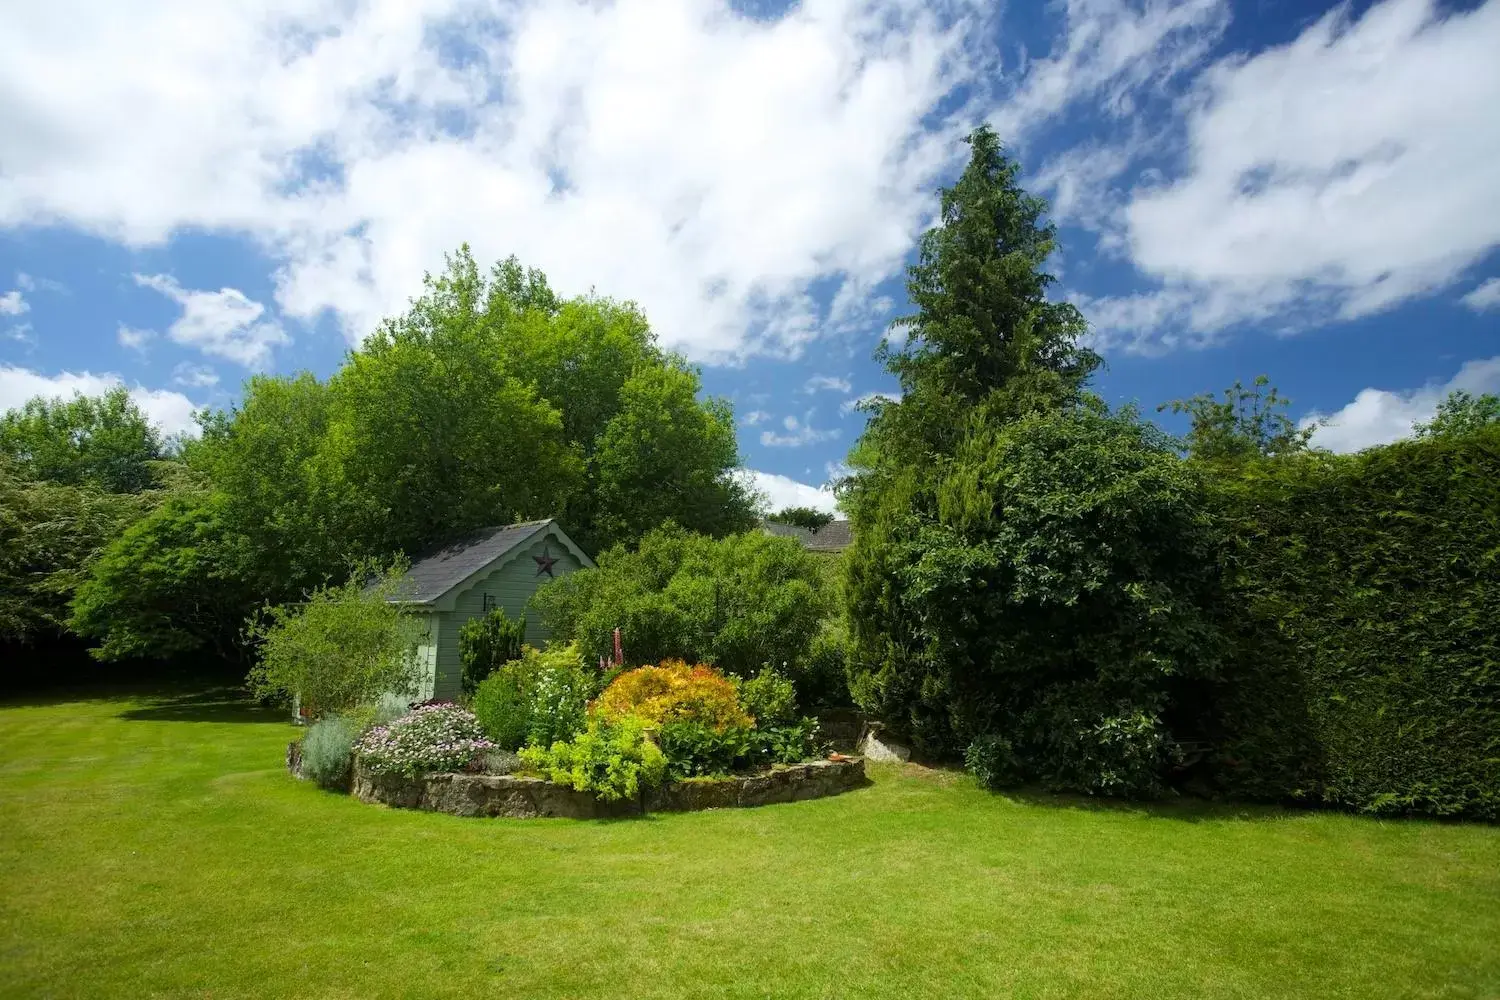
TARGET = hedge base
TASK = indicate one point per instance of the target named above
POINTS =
(533, 798)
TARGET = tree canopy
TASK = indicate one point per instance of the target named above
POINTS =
(490, 400)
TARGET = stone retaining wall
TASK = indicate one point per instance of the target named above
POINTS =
(529, 798)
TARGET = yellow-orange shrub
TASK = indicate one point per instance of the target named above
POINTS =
(673, 691)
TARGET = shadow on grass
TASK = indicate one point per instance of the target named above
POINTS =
(218, 704)
(1183, 809)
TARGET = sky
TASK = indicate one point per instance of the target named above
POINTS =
(193, 191)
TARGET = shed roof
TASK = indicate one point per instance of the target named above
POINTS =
(458, 561)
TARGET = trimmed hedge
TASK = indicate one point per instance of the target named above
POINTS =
(1365, 610)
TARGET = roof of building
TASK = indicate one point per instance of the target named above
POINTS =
(832, 537)
(456, 562)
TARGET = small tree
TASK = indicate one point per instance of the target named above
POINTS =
(1461, 413)
(1246, 423)
(346, 645)
(486, 643)
(803, 517)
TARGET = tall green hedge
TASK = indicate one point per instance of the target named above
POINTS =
(1365, 605)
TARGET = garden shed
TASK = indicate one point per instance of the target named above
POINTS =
(496, 567)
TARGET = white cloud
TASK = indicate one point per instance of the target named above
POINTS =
(224, 324)
(710, 165)
(21, 333)
(754, 418)
(1110, 51)
(1335, 176)
(31, 283)
(170, 411)
(831, 383)
(850, 405)
(197, 376)
(133, 338)
(784, 491)
(11, 304)
(1486, 296)
(798, 433)
(1377, 416)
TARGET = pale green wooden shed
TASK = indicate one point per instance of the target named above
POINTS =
(497, 567)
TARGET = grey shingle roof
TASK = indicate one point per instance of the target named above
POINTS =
(445, 569)
(832, 537)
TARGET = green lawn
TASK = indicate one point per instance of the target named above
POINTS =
(158, 848)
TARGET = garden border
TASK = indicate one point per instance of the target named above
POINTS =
(532, 798)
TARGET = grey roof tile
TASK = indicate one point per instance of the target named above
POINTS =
(451, 565)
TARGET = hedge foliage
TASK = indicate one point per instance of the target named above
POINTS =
(1365, 608)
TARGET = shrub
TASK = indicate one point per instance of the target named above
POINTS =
(431, 738)
(1364, 591)
(613, 760)
(993, 762)
(696, 750)
(737, 602)
(387, 708)
(823, 679)
(540, 698)
(345, 645)
(770, 698)
(486, 643)
(674, 692)
(326, 750)
(1078, 745)
(1065, 551)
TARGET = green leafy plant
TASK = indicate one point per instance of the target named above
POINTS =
(697, 750)
(803, 517)
(735, 603)
(770, 698)
(993, 762)
(345, 645)
(539, 698)
(485, 643)
(613, 760)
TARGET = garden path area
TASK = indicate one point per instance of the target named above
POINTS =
(155, 846)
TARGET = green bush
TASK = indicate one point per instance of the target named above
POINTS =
(327, 750)
(612, 760)
(993, 762)
(735, 603)
(693, 749)
(485, 643)
(770, 698)
(343, 646)
(1060, 553)
(1365, 592)
(1080, 745)
(539, 698)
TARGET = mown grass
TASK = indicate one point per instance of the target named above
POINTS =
(156, 847)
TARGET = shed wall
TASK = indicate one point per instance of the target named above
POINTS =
(510, 587)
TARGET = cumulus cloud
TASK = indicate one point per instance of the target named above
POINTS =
(784, 491)
(710, 165)
(754, 418)
(197, 376)
(1110, 51)
(1486, 296)
(795, 434)
(225, 324)
(1378, 416)
(1330, 178)
(133, 338)
(172, 412)
(12, 304)
(830, 383)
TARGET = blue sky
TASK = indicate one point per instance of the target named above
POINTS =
(191, 192)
